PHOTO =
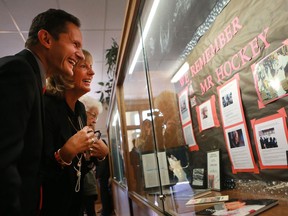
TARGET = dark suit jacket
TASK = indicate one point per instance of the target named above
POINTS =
(21, 134)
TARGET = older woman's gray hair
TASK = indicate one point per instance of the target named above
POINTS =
(91, 102)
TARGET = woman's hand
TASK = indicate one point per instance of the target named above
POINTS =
(99, 149)
(81, 141)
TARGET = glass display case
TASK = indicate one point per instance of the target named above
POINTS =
(158, 162)
(190, 83)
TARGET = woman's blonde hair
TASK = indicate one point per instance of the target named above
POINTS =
(58, 83)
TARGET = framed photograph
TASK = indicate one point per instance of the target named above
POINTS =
(198, 178)
(271, 76)
(213, 170)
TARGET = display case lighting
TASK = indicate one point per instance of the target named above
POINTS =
(183, 69)
(145, 32)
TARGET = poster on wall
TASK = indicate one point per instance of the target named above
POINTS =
(189, 137)
(239, 149)
(230, 103)
(270, 134)
(218, 56)
(235, 130)
(184, 107)
(271, 76)
(186, 120)
(206, 114)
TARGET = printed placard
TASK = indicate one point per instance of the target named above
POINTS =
(270, 134)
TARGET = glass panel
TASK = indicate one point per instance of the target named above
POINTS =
(158, 152)
(165, 44)
(142, 158)
(115, 138)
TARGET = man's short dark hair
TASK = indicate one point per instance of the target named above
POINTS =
(54, 21)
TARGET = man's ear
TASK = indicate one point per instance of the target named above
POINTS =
(44, 38)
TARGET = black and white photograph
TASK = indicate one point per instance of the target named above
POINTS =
(270, 133)
(227, 99)
(268, 138)
(198, 177)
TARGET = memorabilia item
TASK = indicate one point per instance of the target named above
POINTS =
(205, 200)
(240, 207)
(213, 170)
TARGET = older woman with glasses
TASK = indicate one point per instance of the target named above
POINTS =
(93, 109)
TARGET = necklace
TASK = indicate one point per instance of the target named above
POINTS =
(79, 122)
(78, 173)
(79, 163)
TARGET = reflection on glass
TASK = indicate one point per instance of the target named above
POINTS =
(147, 114)
(140, 136)
(136, 173)
(144, 34)
(132, 135)
(132, 118)
(167, 104)
(116, 147)
(158, 156)
(145, 141)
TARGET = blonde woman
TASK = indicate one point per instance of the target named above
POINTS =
(66, 141)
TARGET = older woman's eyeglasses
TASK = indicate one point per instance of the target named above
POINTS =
(97, 134)
(93, 115)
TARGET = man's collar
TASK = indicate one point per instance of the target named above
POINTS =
(42, 69)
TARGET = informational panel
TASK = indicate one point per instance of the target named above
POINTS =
(242, 62)
(150, 169)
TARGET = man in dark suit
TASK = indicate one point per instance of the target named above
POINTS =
(54, 45)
